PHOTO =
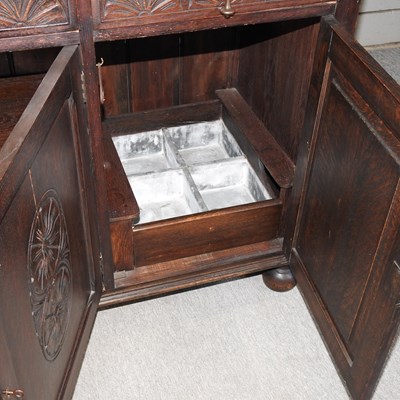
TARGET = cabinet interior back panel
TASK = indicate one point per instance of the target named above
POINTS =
(166, 71)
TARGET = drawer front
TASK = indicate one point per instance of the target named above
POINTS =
(111, 10)
(205, 233)
(172, 15)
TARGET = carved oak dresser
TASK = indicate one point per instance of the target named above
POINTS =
(153, 146)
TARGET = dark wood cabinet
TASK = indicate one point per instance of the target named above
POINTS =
(315, 117)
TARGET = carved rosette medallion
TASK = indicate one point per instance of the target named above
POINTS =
(30, 13)
(50, 275)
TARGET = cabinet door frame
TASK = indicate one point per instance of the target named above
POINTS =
(375, 98)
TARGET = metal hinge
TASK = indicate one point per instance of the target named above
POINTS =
(12, 394)
(101, 262)
(83, 84)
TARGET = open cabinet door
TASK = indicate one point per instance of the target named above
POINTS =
(49, 288)
(346, 244)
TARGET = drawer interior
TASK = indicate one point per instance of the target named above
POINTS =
(187, 169)
(205, 188)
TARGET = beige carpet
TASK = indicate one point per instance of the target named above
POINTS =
(234, 341)
(237, 341)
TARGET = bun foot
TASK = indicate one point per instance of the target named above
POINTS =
(279, 279)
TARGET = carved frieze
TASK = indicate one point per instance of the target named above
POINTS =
(111, 10)
(31, 13)
(49, 274)
(114, 9)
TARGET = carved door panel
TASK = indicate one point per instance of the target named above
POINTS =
(48, 295)
(344, 248)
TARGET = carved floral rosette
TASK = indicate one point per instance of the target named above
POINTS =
(50, 275)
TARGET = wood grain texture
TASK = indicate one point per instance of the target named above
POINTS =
(122, 244)
(203, 15)
(96, 173)
(121, 200)
(37, 41)
(318, 84)
(345, 208)
(367, 77)
(114, 77)
(34, 61)
(277, 96)
(349, 210)
(195, 271)
(166, 117)
(268, 150)
(15, 95)
(154, 73)
(207, 64)
(347, 12)
(35, 121)
(206, 232)
(5, 69)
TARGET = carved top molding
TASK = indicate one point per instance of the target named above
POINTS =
(16, 14)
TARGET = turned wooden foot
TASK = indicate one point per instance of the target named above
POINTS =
(279, 279)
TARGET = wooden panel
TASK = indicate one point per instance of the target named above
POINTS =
(345, 208)
(279, 94)
(4, 65)
(154, 73)
(121, 201)
(206, 232)
(126, 23)
(34, 61)
(166, 117)
(122, 244)
(15, 94)
(190, 272)
(207, 64)
(114, 77)
(20, 43)
(117, 10)
(367, 77)
(347, 13)
(48, 282)
(349, 215)
(249, 130)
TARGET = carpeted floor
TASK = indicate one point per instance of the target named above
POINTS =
(235, 341)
